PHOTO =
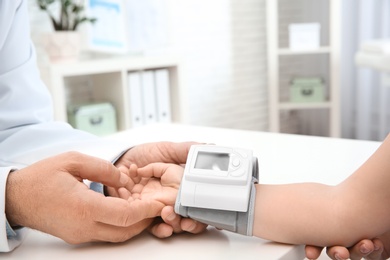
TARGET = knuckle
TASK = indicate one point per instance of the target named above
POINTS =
(73, 155)
(73, 159)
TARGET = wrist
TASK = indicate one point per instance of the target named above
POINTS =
(12, 200)
(218, 188)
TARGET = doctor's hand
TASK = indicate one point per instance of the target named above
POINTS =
(375, 249)
(166, 152)
(51, 196)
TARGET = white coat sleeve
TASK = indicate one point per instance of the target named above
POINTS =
(27, 130)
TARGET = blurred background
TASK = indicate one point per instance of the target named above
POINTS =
(292, 66)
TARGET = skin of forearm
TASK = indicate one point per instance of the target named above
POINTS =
(322, 215)
(13, 201)
(304, 213)
(367, 195)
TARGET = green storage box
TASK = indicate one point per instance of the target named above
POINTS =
(307, 90)
(97, 118)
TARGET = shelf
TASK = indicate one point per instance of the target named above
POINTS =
(284, 63)
(287, 51)
(107, 80)
(96, 66)
(295, 106)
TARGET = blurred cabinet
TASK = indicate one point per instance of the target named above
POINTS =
(286, 64)
(107, 80)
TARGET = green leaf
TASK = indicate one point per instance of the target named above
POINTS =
(69, 16)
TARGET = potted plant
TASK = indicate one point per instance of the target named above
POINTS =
(64, 43)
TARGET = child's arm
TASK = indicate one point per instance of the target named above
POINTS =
(297, 213)
(322, 215)
(278, 207)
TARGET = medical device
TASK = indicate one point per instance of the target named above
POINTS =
(218, 187)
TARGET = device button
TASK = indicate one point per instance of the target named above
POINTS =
(236, 162)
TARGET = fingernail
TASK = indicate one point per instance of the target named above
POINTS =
(190, 228)
(364, 249)
(171, 217)
(338, 257)
(124, 179)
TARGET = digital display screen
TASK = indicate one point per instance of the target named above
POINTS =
(212, 161)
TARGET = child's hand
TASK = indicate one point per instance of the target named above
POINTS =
(159, 182)
(170, 176)
(156, 181)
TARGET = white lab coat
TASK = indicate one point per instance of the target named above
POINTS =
(27, 130)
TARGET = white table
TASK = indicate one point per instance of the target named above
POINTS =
(282, 159)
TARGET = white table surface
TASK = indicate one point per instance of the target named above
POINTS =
(282, 159)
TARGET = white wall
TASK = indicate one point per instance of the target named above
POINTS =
(223, 46)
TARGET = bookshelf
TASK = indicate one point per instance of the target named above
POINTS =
(97, 80)
(322, 61)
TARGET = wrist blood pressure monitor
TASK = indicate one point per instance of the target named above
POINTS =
(218, 187)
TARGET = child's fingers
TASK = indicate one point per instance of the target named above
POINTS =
(133, 171)
(134, 178)
(124, 193)
(157, 170)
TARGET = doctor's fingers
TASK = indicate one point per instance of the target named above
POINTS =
(168, 152)
(174, 223)
(144, 154)
(94, 169)
(177, 152)
(107, 233)
(181, 224)
(169, 216)
(120, 212)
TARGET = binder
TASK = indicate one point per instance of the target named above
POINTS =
(149, 97)
(161, 79)
(135, 97)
